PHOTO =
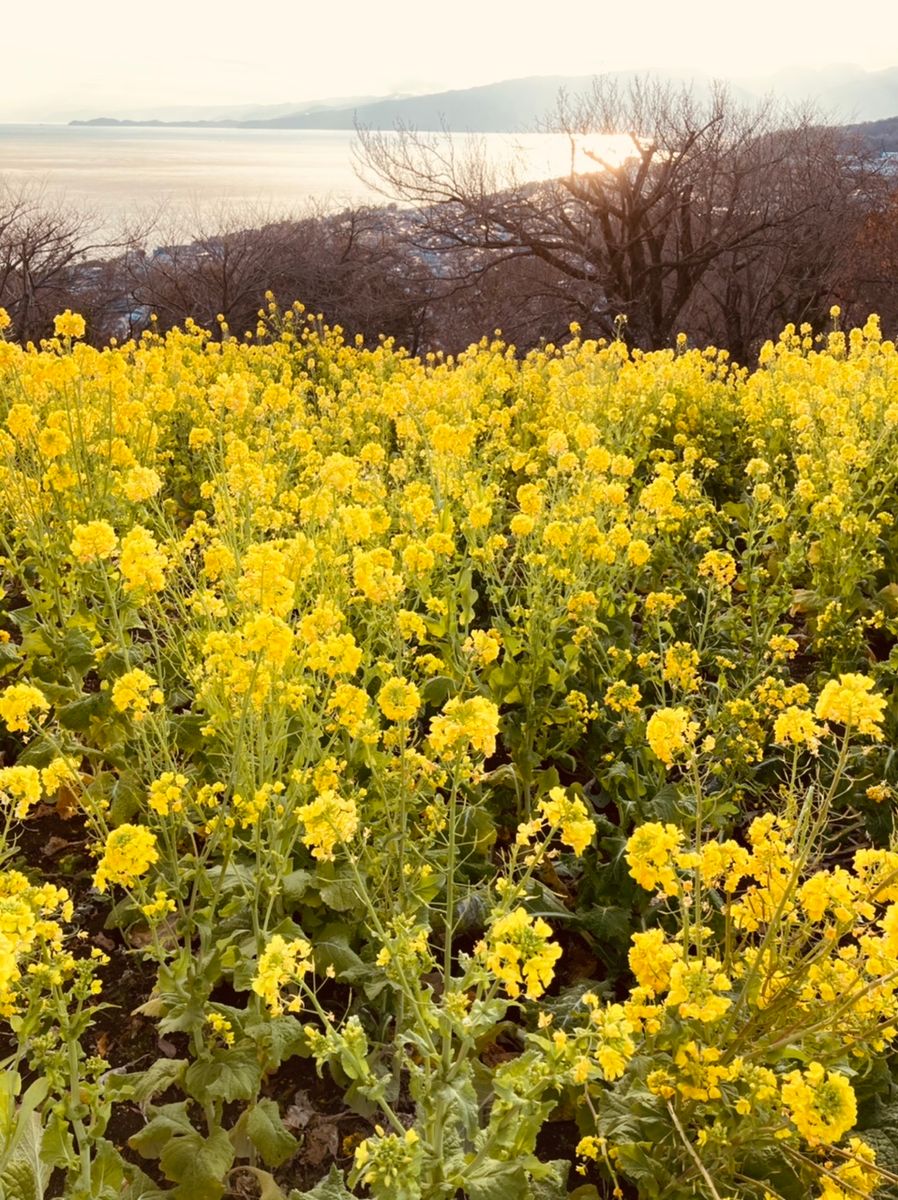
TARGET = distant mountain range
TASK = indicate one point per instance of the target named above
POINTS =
(844, 94)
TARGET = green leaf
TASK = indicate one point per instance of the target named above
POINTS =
(294, 886)
(237, 1077)
(549, 1180)
(332, 949)
(279, 1037)
(58, 1146)
(35, 644)
(198, 1165)
(163, 1074)
(186, 731)
(169, 1121)
(25, 1175)
(495, 1180)
(77, 652)
(340, 895)
(461, 1107)
(107, 1172)
(21, 1127)
(9, 657)
(331, 1188)
(436, 691)
(665, 805)
(608, 923)
(77, 715)
(267, 1133)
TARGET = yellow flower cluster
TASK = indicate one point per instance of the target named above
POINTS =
(670, 732)
(134, 692)
(519, 953)
(129, 852)
(69, 324)
(568, 814)
(96, 539)
(167, 793)
(141, 562)
(797, 727)
(652, 856)
(399, 700)
(281, 963)
(18, 703)
(850, 701)
(820, 1103)
(21, 784)
(465, 724)
(28, 928)
(330, 820)
(718, 566)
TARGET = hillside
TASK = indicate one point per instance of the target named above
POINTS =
(882, 135)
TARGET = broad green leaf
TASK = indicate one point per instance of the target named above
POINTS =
(198, 1165)
(267, 1133)
(340, 894)
(548, 1179)
(77, 652)
(294, 887)
(25, 1174)
(436, 691)
(236, 1077)
(163, 1074)
(169, 1121)
(330, 1188)
(9, 653)
(77, 715)
(495, 1180)
(280, 1038)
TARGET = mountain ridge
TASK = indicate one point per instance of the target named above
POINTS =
(518, 105)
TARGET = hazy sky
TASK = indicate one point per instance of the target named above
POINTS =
(102, 56)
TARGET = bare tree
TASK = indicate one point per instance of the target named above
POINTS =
(348, 264)
(42, 242)
(707, 184)
(820, 193)
(868, 278)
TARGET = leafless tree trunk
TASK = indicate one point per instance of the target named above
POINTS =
(708, 187)
(44, 244)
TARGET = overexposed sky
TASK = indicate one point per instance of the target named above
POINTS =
(101, 57)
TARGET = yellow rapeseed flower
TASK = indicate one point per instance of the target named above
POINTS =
(850, 701)
(96, 539)
(519, 953)
(18, 703)
(651, 851)
(134, 692)
(129, 852)
(821, 1104)
(281, 963)
(399, 700)
(330, 820)
(69, 324)
(670, 732)
(569, 815)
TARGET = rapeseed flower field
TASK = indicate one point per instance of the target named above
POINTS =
(507, 739)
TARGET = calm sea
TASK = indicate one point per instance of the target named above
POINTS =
(123, 174)
(195, 177)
